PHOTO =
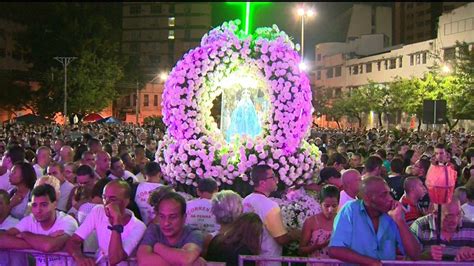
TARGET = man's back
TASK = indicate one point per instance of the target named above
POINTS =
(268, 211)
(199, 215)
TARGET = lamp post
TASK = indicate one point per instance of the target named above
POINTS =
(65, 61)
(304, 13)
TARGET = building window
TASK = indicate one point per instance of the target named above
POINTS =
(128, 101)
(155, 9)
(393, 63)
(337, 92)
(171, 21)
(423, 58)
(329, 73)
(135, 9)
(412, 60)
(171, 8)
(385, 62)
(318, 75)
(355, 70)
(146, 100)
(171, 35)
(449, 54)
(318, 57)
(155, 100)
(368, 67)
(418, 59)
(400, 62)
(134, 100)
(338, 71)
(379, 65)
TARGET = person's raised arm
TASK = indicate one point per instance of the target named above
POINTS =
(116, 250)
(410, 243)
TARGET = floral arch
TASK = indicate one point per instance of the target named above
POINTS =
(195, 147)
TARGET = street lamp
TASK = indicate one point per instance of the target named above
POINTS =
(304, 13)
(446, 69)
(65, 61)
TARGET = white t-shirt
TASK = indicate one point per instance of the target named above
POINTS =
(90, 243)
(468, 211)
(200, 216)
(140, 177)
(19, 211)
(8, 223)
(270, 214)
(141, 198)
(63, 222)
(5, 181)
(65, 191)
(126, 175)
(343, 198)
(97, 219)
(39, 170)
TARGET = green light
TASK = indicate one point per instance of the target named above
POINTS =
(248, 10)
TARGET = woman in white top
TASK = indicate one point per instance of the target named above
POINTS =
(23, 178)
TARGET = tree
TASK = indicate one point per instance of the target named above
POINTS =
(356, 104)
(457, 87)
(88, 31)
(15, 92)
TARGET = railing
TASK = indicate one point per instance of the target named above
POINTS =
(34, 257)
(28, 257)
(317, 261)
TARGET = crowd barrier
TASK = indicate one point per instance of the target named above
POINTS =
(290, 260)
(28, 257)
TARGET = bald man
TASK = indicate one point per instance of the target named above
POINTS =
(118, 230)
(102, 163)
(457, 234)
(372, 229)
(66, 154)
(350, 184)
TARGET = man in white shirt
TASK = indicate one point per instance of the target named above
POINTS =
(57, 170)
(198, 211)
(144, 189)
(45, 229)
(43, 158)
(350, 184)
(275, 234)
(117, 171)
(118, 230)
(6, 220)
(102, 163)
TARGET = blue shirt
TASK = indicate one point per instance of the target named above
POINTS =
(353, 229)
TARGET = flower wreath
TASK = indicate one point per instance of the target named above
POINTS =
(193, 146)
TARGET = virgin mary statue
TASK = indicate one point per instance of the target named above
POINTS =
(244, 119)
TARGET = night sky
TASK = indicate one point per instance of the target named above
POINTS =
(329, 24)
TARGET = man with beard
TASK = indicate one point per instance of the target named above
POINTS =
(372, 229)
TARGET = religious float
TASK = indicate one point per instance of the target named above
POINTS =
(265, 111)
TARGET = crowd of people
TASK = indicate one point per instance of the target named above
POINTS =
(97, 192)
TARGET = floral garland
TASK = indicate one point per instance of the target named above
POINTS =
(194, 147)
(296, 207)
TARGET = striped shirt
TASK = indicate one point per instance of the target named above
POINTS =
(424, 229)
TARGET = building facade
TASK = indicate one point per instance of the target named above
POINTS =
(340, 67)
(417, 21)
(158, 34)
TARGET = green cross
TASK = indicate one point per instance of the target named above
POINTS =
(248, 6)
